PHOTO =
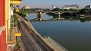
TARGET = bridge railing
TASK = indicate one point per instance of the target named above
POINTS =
(47, 11)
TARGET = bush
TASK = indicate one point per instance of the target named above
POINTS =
(84, 11)
(22, 14)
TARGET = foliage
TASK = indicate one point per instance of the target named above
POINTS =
(65, 9)
(15, 19)
(73, 10)
(17, 44)
(70, 9)
(56, 9)
(84, 11)
(22, 14)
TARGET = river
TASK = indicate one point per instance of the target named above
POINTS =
(74, 35)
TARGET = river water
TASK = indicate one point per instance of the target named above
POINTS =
(74, 35)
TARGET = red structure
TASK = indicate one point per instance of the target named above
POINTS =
(3, 45)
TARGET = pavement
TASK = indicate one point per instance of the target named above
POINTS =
(27, 40)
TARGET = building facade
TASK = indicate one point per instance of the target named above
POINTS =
(3, 44)
(5, 17)
(71, 7)
(53, 7)
(26, 7)
(88, 7)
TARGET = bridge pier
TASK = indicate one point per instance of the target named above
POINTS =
(58, 15)
(39, 16)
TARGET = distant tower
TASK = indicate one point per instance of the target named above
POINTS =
(53, 7)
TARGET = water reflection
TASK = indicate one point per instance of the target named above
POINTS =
(54, 18)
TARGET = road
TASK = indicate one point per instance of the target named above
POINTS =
(31, 38)
(36, 39)
(28, 41)
(31, 43)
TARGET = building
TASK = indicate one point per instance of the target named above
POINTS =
(88, 7)
(53, 7)
(26, 7)
(71, 7)
(5, 18)
(3, 44)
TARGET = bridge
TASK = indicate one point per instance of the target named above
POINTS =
(57, 13)
(29, 11)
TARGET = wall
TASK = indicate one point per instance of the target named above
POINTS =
(3, 45)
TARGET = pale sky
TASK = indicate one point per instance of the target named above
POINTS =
(57, 3)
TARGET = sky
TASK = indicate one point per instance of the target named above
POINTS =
(57, 3)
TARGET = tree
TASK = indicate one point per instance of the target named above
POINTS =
(73, 10)
(83, 11)
(56, 9)
(66, 9)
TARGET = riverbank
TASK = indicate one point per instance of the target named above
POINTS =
(46, 41)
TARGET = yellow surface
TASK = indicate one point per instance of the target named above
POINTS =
(17, 10)
(15, 2)
(9, 42)
(17, 34)
(7, 17)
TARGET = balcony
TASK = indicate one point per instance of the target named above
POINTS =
(15, 2)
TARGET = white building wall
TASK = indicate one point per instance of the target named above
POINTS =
(70, 7)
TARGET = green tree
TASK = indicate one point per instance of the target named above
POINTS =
(72, 9)
(66, 9)
(83, 11)
(56, 9)
(22, 14)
